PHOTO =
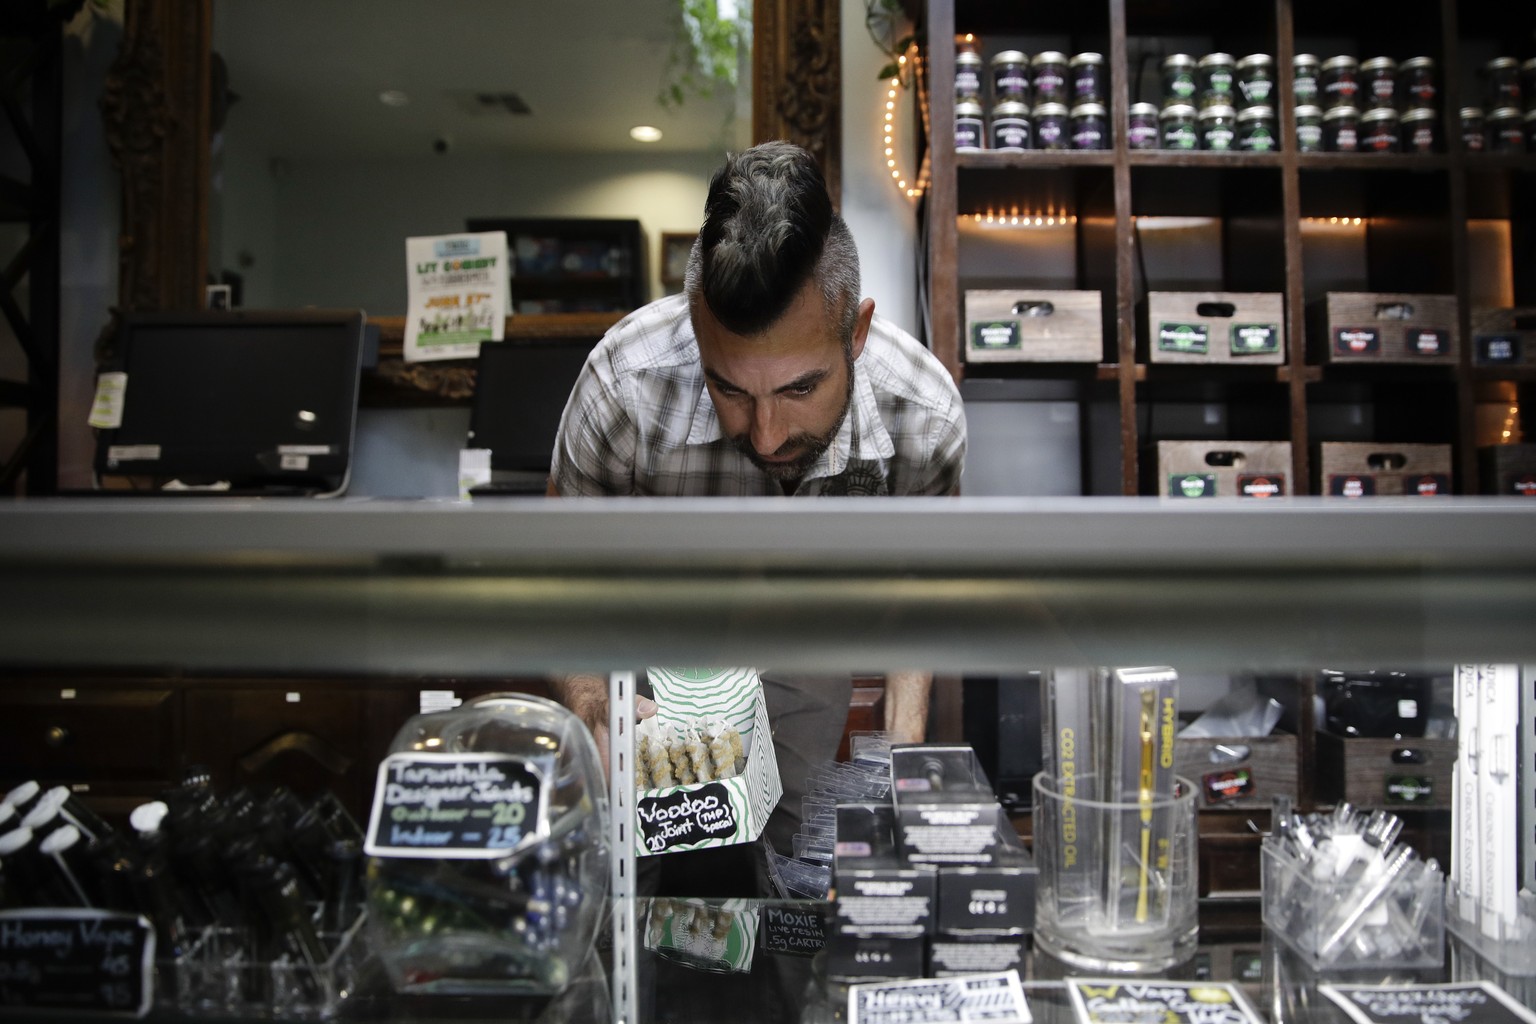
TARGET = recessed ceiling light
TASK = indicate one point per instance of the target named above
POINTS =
(645, 133)
(393, 98)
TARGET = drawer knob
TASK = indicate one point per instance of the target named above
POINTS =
(56, 736)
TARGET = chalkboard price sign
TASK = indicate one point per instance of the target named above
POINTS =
(76, 960)
(464, 806)
(684, 817)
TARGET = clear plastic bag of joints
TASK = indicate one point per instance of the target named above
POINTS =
(489, 849)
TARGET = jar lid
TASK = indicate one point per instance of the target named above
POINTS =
(1470, 113)
(1379, 114)
(1087, 57)
(1500, 63)
(1178, 60)
(1308, 110)
(1304, 59)
(1211, 60)
(1379, 64)
(1255, 60)
(1220, 110)
(968, 107)
(1415, 63)
(1256, 114)
(1340, 113)
(1089, 110)
(1174, 110)
(967, 57)
(1504, 114)
(1530, 115)
(1051, 110)
(1010, 108)
(1010, 57)
(1529, 65)
(1341, 61)
(1419, 114)
(1144, 108)
(1049, 57)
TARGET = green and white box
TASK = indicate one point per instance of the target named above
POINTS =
(722, 807)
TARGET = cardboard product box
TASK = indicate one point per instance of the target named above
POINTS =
(1388, 327)
(1508, 469)
(718, 812)
(1215, 327)
(1504, 337)
(1390, 773)
(878, 893)
(854, 958)
(950, 955)
(1224, 469)
(1033, 326)
(1240, 772)
(1365, 469)
(997, 899)
(946, 811)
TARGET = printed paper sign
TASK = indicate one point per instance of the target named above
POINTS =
(998, 998)
(1467, 1002)
(107, 406)
(457, 294)
(1158, 1002)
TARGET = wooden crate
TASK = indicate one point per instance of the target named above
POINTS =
(1033, 326)
(1504, 337)
(1390, 773)
(1248, 783)
(1215, 327)
(1225, 469)
(1364, 469)
(1508, 469)
(1390, 327)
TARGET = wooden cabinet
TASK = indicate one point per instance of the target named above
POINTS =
(1125, 222)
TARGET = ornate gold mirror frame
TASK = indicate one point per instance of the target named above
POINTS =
(156, 107)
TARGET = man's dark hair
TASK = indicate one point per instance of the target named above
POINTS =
(769, 227)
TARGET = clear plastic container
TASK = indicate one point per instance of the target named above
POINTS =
(1507, 943)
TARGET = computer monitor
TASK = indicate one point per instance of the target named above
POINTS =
(261, 400)
(521, 388)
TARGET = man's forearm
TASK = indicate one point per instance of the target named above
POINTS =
(906, 705)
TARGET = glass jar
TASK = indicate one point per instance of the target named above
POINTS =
(1218, 128)
(1179, 85)
(1379, 131)
(1089, 81)
(1048, 79)
(1090, 126)
(1177, 122)
(1309, 129)
(1506, 132)
(1416, 82)
(1340, 77)
(1051, 126)
(967, 76)
(1304, 75)
(1256, 130)
(1378, 82)
(1255, 80)
(1420, 130)
(1502, 78)
(970, 127)
(1341, 130)
(1010, 76)
(1217, 76)
(1010, 127)
(1528, 83)
(1474, 132)
(1141, 126)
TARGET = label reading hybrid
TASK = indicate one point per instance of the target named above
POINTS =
(1259, 485)
(1254, 339)
(1428, 341)
(1351, 485)
(1409, 789)
(1498, 348)
(1427, 485)
(1192, 485)
(1194, 338)
(995, 335)
(1356, 341)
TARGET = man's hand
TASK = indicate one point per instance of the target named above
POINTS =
(587, 698)
(906, 705)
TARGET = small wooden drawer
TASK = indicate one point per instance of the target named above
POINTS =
(76, 733)
(1243, 772)
(1224, 469)
(1508, 469)
(1365, 469)
(1215, 327)
(1389, 327)
(1504, 337)
(1390, 773)
(1033, 326)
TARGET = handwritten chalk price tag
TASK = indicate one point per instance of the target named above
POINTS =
(77, 961)
(465, 806)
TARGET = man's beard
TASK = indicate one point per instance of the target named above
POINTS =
(809, 445)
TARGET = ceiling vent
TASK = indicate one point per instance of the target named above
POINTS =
(488, 103)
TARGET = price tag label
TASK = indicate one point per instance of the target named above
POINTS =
(76, 961)
(464, 806)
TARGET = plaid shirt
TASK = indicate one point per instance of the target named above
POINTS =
(640, 421)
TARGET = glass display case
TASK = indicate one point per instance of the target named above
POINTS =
(404, 596)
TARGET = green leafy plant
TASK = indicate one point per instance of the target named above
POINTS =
(706, 52)
(892, 31)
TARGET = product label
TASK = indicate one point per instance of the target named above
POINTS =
(1088, 136)
(1429, 341)
(1346, 139)
(1427, 485)
(997, 998)
(968, 132)
(1257, 485)
(996, 335)
(107, 406)
(1351, 485)
(1229, 785)
(1525, 485)
(1258, 138)
(1142, 135)
(1409, 789)
(1219, 138)
(462, 806)
(1049, 132)
(1466, 1002)
(1181, 85)
(1180, 136)
(1356, 341)
(1220, 83)
(1049, 85)
(1194, 338)
(1256, 91)
(76, 962)
(132, 453)
(1168, 1002)
(1192, 485)
(685, 817)
(1497, 348)
(1255, 339)
(1010, 83)
(1309, 138)
(1304, 89)
(1010, 133)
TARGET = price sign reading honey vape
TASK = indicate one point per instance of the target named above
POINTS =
(76, 961)
(465, 806)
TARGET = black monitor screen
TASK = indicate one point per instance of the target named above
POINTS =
(258, 399)
(520, 392)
